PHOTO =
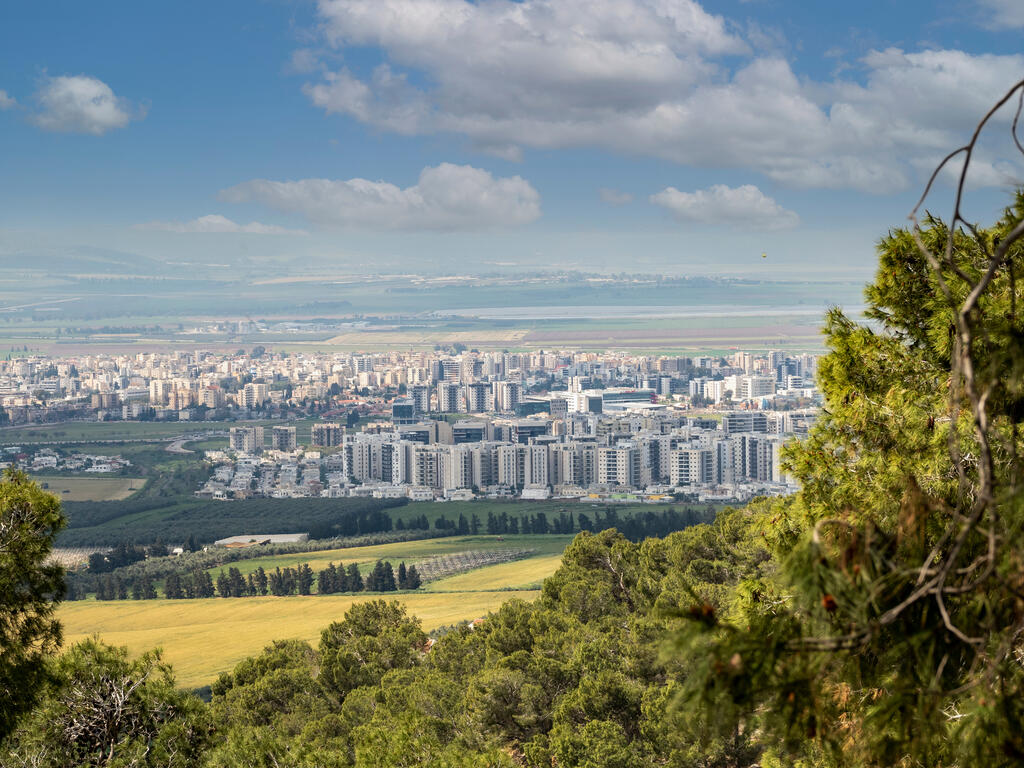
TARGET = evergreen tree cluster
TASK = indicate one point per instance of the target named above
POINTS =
(192, 585)
(384, 579)
(121, 555)
(420, 523)
(281, 582)
(334, 579)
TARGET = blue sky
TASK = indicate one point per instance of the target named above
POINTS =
(656, 135)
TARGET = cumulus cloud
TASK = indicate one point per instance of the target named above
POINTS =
(446, 197)
(1004, 13)
(614, 197)
(662, 78)
(215, 223)
(746, 207)
(81, 104)
(7, 102)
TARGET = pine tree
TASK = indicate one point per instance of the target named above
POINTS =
(412, 578)
(148, 590)
(387, 580)
(261, 581)
(288, 581)
(374, 577)
(353, 579)
(137, 589)
(121, 588)
(277, 583)
(888, 632)
(223, 585)
(204, 584)
(236, 583)
(402, 576)
(304, 579)
(172, 587)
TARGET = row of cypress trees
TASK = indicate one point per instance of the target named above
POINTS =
(300, 580)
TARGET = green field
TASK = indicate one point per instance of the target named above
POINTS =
(521, 574)
(136, 431)
(412, 551)
(92, 488)
(202, 638)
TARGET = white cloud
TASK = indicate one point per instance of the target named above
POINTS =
(746, 207)
(7, 102)
(661, 78)
(304, 61)
(215, 223)
(614, 197)
(447, 197)
(81, 104)
(1005, 13)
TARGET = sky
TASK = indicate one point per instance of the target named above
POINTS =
(753, 137)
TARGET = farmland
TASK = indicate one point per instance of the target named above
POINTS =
(78, 432)
(413, 551)
(201, 638)
(522, 574)
(204, 637)
(92, 488)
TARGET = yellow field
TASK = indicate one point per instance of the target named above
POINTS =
(93, 488)
(518, 574)
(202, 638)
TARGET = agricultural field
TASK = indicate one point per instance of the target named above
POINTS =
(521, 574)
(202, 638)
(76, 432)
(414, 551)
(92, 488)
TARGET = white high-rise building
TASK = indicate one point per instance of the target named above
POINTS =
(327, 435)
(449, 397)
(507, 395)
(246, 439)
(619, 465)
(691, 466)
(283, 439)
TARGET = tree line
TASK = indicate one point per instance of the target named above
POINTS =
(132, 562)
(179, 516)
(176, 518)
(280, 582)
